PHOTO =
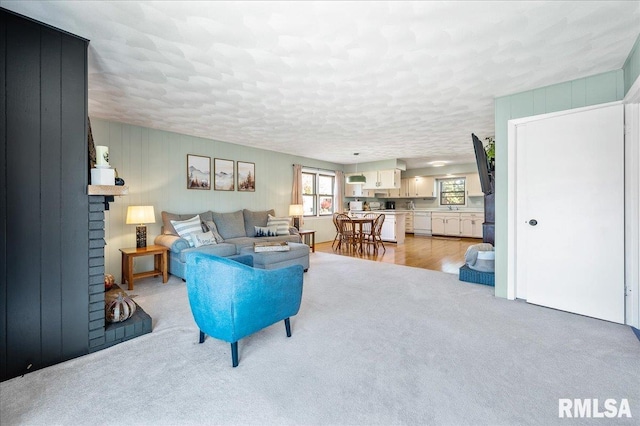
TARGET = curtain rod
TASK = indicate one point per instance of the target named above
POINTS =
(319, 169)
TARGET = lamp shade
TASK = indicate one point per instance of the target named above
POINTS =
(140, 214)
(356, 179)
(296, 210)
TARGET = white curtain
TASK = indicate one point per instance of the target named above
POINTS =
(339, 191)
(296, 190)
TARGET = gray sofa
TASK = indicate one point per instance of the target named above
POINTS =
(233, 232)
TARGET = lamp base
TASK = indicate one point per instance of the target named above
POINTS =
(141, 236)
(296, 223)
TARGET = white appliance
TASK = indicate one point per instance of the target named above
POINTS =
(421, 223)
(355, 206)
(375, 205)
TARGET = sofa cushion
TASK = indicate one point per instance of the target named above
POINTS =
(185, 228)
(222, 250)
(283, 224)
(266, 231)
(230, 225)
(253, 219)
(203, 238)
(167, 227)
(242, 242)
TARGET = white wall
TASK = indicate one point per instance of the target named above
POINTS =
(153, 164)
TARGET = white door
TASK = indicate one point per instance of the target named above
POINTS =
(569, 219)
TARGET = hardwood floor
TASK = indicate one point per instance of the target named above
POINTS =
(436, 253)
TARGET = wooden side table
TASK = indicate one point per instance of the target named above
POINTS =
(309, 238)
(159, 263)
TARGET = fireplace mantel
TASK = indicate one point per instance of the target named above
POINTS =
(107, 190)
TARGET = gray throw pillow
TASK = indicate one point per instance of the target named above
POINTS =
(211, 226)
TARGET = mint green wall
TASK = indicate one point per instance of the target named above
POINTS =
(593, 90)
(153, 164)
(631, 66)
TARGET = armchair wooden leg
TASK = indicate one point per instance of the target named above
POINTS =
(234, 354)
(287, 325)
(201, 337)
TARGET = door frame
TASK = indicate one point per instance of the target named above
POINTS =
(632, 204)
(512, 193)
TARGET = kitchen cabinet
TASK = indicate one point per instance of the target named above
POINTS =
(437, 224)
(382, 179)
(473, 187)
(394, 192)
(408, 223)
(424, 187)
(445, 224)
(452, 225)
(355, 190)
(393, 227)
(419, 186)
(471, 225)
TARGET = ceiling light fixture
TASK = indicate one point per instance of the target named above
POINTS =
(438, 163)
(356, 179)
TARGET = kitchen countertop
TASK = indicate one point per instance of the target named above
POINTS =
(420, 210)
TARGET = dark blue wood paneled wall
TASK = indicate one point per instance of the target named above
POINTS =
(44, 250)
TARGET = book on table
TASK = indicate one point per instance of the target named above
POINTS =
(270, 246)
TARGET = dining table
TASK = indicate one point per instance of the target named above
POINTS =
(360, 222)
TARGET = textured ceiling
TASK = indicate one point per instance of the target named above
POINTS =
(409, 80)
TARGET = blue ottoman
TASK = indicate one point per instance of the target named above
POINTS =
(298, 254)
(472, 276)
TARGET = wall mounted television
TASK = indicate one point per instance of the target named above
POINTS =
(486, 179)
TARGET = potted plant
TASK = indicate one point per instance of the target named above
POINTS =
(490, 149)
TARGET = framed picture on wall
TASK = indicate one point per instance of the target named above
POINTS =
(246, 176)
(223, 179)
(198, 172)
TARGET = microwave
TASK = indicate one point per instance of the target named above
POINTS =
(355, 205)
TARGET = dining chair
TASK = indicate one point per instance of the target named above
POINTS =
(367, 228)
(374, 239)
(347, 231)
(338, 236)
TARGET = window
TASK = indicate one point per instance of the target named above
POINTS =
(452, 192)
(317, 193)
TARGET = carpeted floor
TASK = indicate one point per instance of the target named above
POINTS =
(373, 343)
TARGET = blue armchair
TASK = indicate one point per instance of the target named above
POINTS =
(230, 299)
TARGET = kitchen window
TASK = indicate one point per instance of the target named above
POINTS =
(317, 192)
(452, 191)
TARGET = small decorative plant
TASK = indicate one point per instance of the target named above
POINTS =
(490, 149)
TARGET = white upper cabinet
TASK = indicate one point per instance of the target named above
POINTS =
(424, 187)
(417, 187)
(474, 189)
(382, 179)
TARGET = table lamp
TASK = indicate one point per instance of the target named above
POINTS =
(140, 215)
(296, 210)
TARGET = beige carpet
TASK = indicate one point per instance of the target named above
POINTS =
(373, 343)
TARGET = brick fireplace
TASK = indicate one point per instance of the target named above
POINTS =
(102, 334)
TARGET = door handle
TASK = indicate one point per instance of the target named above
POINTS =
(533, 222)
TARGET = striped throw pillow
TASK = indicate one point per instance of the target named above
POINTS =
(184, 228)
(281, 223)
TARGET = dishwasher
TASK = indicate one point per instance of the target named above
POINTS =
(421, 223)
